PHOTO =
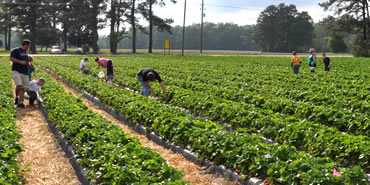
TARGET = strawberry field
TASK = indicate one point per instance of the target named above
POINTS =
(318, 121)
(223, 109)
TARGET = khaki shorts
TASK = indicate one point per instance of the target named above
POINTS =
(21, 79)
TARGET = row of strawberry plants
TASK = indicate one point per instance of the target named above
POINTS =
(313, 90)
(318, 140)
(237, 150)
(233, 76)
(328, 95)
(316, 88)
(9, 146)
(315, 139)
(110, 155)
(353, 109)
(328, 114)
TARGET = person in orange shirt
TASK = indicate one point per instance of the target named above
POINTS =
(296, 62)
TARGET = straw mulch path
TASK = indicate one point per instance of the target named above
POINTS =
(42, 161)
(192, 172)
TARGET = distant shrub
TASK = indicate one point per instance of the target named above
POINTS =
(361, 48)
(337, 45)
(86, 48)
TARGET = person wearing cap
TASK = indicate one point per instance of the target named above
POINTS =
(326, 61)
(145, 76)
(296, 62)
(312, 60)
(31, 69)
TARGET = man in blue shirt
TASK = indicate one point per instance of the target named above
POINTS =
(19, 57)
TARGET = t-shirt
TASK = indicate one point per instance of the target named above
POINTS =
(311, 59)
(109, 70)
(34, 86)
(144, 74)
(327, 61)
(20, 54)
(30, 70)
(83, 64)
(296, 60)
(103, 62)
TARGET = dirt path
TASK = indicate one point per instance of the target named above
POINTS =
(42, 161)
(192, 172)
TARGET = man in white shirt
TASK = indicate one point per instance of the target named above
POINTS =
(35, 86)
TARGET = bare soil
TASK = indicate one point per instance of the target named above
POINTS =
(42, 161)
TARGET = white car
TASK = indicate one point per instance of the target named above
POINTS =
(79, 51)
(56, 50)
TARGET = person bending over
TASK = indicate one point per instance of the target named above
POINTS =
(145, 76)
(102, 62)
(35, 86)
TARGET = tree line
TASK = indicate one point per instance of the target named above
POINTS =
(282, 28)
(279, 28)
(229, 36)
(222, 36)
(77, 22)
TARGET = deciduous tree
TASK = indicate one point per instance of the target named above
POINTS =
(117, 14)
(353, 17)
(283, 28)
(146, 9)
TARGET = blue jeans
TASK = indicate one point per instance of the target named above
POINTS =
(145, 91)
(296, 69)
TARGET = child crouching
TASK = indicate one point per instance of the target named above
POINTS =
(84, 65)
(35, 86)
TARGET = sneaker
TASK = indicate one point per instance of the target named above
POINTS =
(21, 105)
(16, 101)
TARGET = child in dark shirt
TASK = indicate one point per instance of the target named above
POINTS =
(110, 70)
(326, 61)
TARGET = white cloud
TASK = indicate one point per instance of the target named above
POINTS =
(241, 17)
(216, 14)
(317, 13)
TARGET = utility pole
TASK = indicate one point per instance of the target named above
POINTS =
(183, 30)
(201, 28)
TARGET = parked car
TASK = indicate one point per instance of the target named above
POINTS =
(56, 50)
(79, 51)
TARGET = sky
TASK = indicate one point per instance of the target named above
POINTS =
(241, 12)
